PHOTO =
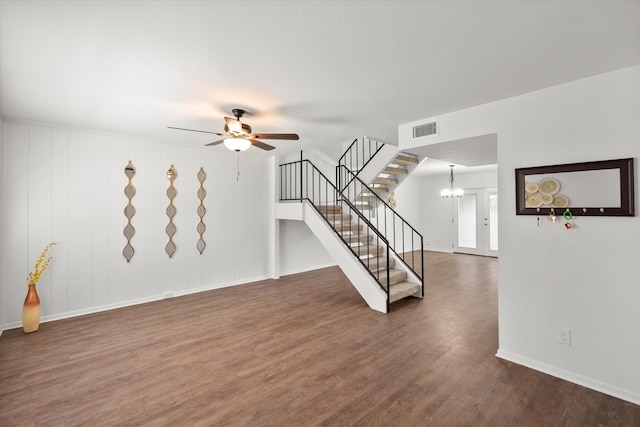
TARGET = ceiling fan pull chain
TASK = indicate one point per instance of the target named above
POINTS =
(238, 166)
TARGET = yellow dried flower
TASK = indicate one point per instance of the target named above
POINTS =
(41, 265)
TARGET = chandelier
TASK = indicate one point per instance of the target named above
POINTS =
(447, 193)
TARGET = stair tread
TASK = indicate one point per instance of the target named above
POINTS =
(385, 181)
(376, 263)
(403, 159)
(402, 290)
(395, 171)
(329, 208)
(364, 250)
(338, 217)
(379, 190)
(347, 226)
(360, 237)
(367, 197)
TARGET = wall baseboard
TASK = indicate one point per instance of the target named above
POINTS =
(596, 385)
(432, 249)
(304, 270)
(129, 303)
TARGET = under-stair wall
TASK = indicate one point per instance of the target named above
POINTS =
(357, 274)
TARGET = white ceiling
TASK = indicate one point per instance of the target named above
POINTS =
(329, 71)
(470, 153)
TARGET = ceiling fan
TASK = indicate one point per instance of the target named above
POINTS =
(239, 136)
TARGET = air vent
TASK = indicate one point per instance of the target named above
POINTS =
(425, 129)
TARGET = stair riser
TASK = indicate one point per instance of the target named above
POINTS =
(395, 276)
(357, 238)
(370, 199)
(362, 251)
(376, 266)
(338, 219)
(403, 290)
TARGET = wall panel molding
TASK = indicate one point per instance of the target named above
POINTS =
(73, 194)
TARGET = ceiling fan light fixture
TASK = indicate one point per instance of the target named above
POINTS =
(237, 144)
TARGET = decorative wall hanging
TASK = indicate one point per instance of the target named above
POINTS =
(544, 193)
(129, 211)
(171, 211)
(200, 228)
(391, 199)
(601, 188)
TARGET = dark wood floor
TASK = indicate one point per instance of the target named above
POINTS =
(303, 350)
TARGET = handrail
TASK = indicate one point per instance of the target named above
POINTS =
(358, 155)
(319, 190)
(347, 202)
(357, 188)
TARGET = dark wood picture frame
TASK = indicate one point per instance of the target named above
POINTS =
(626, 188)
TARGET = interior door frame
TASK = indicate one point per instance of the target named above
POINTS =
(486, 219)
(482, 223)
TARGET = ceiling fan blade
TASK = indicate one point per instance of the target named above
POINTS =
(289, 136)
(261, 144)
(214, 143)
(194, 130)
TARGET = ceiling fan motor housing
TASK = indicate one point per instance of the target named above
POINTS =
(246, 129)
(238, 112)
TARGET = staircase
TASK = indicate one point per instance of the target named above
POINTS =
(376, 248)
(384, 184)
(362, 245)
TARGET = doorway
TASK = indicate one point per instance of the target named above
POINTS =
(475, 222)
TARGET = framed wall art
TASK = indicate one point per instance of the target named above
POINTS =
(600, 188)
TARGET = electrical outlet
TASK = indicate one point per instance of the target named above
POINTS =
(564, 336)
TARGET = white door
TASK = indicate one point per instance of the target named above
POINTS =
(475, 223)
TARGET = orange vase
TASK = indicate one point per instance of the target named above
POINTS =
(31, 310)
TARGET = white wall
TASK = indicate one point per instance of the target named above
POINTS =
(586, 279)
(436, 213)
(66, 185)
(2, 184)
(300, 249)
(408, 203)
